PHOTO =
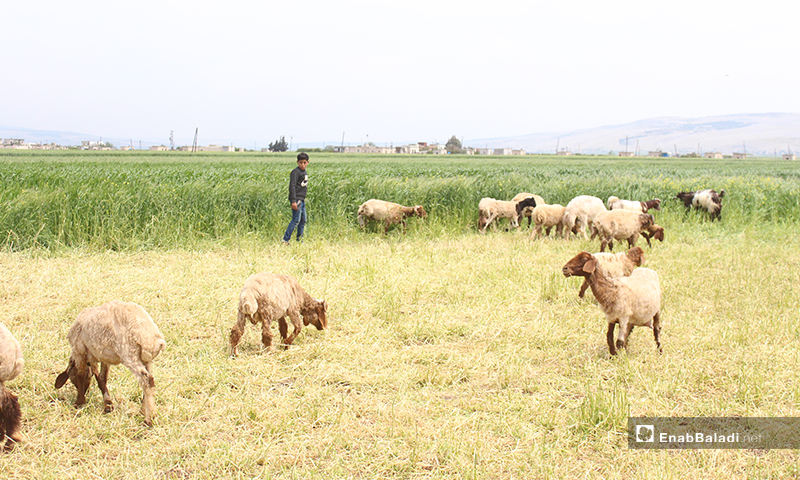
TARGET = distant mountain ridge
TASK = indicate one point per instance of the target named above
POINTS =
(757, 133)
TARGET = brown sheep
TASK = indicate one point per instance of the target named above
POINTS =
(266, 297)
(113, 333)
(388, 213)
(613, 225)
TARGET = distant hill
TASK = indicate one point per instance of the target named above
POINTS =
(758, 133)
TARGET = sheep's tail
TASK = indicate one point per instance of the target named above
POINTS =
(10, 413)
(248, 304)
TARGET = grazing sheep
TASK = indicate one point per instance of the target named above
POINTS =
(580, 213)
(708, 200)
(546, 217)
(266, 297)
(387, 212)
(528, 211)
(653, 231)
(620, 225)
(615, 203)
(490, 210)
(627, 301)
(11, 364)
(113, 333)
(616, 264)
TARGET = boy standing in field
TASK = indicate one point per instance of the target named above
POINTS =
(298, 186)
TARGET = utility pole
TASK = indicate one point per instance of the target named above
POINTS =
(194, 144)
(171, 140)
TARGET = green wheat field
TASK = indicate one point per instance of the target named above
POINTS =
(449, 354)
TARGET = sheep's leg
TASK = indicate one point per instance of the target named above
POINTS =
(82, 380)
(657, 331)
(584, 287)
(102, 383)
(283, 328)
(547, 231)
(622, 338)
(266, 333)
(298, 325)
(647, 238)
(610, 339)
(143, 375)
(603, 245)
(236, 333)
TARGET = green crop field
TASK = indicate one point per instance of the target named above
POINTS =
(449, 354)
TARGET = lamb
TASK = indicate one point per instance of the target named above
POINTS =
(490, 210)
(653, 231)
(580, 213)
(113, 333)
(620, 225)
(528, 211)
(708, 200)
(266, 297)
(387, 212)
(627, 301)
(546, 217)
(616, 264)
(614, 203)
(11, 364)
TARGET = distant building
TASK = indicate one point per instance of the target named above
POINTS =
(563, 152)
(712, 155)
(657, 153)
(740, 156)
(159, 148)
(789, 156)
(626, 154)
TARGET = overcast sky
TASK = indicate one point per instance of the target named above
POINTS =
(246, 72)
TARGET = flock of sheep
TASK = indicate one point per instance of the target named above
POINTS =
(124, 333)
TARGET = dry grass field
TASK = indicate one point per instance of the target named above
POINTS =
(449, 355)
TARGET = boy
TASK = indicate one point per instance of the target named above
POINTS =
(298, 186)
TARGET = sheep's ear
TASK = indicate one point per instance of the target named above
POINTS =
(589, 266)
(64, 376)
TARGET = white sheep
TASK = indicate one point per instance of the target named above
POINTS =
(388, 213)
(627, 301)
(620, 225)
(490, 210)
(113, 333)
(580, 213)
(614, 203)
(11, 364)
(546, 217)
(616, 264)
(528, 211)
(266, 297)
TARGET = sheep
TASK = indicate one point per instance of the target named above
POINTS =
(708, 200)
(546, 217)
(616, 264)
(614, 203)
(580, 213)
(490, 210)
(387, 212)
(620, 225)
(266, 297)
(527, 212)
(627, 301)
(11, 364)
(113, 333)
(653, 231)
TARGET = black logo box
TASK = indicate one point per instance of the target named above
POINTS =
(657, 433)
